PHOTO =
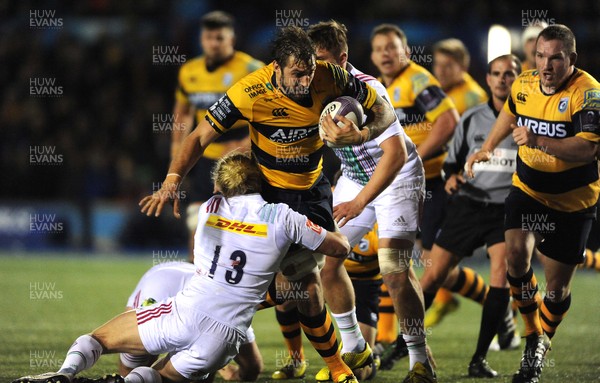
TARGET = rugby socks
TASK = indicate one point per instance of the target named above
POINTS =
(352, 339)
(470, 285)
(592, 260)
(82, 355)
(143, 375)
(321, 333)
(494, 308)
(290, 328)
(443, 296)
(387, 326)
(552, 313)
(417, 351)
(524, 291)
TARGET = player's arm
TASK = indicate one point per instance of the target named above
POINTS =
(349, 134)
(190, 151)
(393, 158)
(579, 148)
(441, 132)
(381, 111)
(500, 130)
(335, 244)
(457, 157)
(183, 121)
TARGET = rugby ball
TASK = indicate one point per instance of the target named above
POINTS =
(342, 106)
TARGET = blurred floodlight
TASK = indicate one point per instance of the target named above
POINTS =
(498, 42)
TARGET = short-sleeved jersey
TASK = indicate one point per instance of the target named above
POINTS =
(466, 94)
(201, 87)
(162, 281)
(362, 263)
(493, 178)
(573, 110)
(239, 245)
(358, 162)
(284, 134)
(418, 101)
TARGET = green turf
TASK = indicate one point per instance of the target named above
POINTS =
(48, 301)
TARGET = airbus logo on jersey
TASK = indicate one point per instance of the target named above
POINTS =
(544, 128)
(522, 97)
(285, 136)
(280, 112)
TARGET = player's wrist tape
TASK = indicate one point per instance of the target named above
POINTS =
(174, 174)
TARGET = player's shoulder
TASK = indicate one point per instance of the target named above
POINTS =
(482, 108)
(192, 65)
(585, 81)
(419, 77)
(364, 77)
(252, 86)
(248, 60)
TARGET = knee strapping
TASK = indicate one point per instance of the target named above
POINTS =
(393, 260)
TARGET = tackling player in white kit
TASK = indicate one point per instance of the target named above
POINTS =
(239, 244)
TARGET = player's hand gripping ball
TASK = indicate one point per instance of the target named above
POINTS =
(342, 106)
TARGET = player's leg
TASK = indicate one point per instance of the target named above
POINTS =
(406, 293)
(118, 335)
(442, 262)
(338, 290)
(294, 365)
(494, 308)
(318, 326)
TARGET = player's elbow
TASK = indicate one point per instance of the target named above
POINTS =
(342, 246)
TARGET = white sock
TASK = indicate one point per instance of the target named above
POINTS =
(417, 351)
(143, 375)
(81, 356)
(352, 339)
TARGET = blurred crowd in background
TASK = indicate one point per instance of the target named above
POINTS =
(98, 58)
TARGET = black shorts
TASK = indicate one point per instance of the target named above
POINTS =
(367, 300)
(564, 235)
(433, 211)
(469, 225)
(316, 203)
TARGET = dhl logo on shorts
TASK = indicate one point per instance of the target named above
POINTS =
(239, 227)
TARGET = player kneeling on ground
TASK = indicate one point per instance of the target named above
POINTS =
(203, 326)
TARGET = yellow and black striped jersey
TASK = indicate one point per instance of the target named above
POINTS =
(467, 94)
(285, 135)
(362, 263)
(419, 100)
(201, 87)
(574, 110)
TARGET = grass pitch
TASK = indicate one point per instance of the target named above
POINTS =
(49, 300)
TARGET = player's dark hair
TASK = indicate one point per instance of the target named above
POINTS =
(329, 35)
(237, 174)
(509, 56)
(559, 32)
(384, 29)
(217, 20)
(292, 42)
(455, 49)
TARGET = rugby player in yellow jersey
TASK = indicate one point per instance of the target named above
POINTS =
(553, 113)
(450, 64)
(282, 103)
(201, 82)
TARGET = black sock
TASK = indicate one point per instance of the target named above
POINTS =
(494, 309)
(428, 299)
